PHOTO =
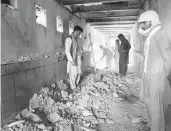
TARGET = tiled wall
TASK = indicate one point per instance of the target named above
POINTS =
(19, 81)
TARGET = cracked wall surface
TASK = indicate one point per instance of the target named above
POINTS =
(21, 35)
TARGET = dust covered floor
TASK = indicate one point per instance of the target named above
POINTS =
(104, 102)
(127, 112)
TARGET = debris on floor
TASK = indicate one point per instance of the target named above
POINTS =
(56, 108)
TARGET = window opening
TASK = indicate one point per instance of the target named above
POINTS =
(10, 3)
(59, 24)
(41, 16)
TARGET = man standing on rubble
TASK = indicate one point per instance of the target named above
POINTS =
(124, 54)
(155, 91)
(73, 52)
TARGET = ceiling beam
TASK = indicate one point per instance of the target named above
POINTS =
(108, 19)
(129, 12)
(102, 29)
(112, 23)
(113, 29)
(116, 32)
(114, 17)
(71, 2)
(104, 8)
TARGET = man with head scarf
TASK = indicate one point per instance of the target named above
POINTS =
(73, 52)
(124, 54)
(155, 91)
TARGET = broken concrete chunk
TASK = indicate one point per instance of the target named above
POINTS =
(90, 118)
(50, 101)
(69, 104)
(115, 95)
(87, 113)
(62, 106)
(70, 97)
(102, 85)
(100, 120)
(16, 123)
(24, 112)
(18, 117)
(87, 129)
(101, 115)
(94, 121)
(109, 121)
(42, 126)
(53, 117)
(83, 102)
(64, 94)
(73, 110)
(86, 124)
(136, 120)
(32, 117)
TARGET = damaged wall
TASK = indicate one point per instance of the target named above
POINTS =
(22, 36)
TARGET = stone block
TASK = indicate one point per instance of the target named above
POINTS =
(8, 106)
(13, 68)
(8, 119)
(35, 63)
(7, 84)
(31, 82)
(46, 61)
(25, 65)
(57, 71)
(39, 78)
(49, 74)
(63, 69)
(53, 60)
(3, 70)
(21, 90)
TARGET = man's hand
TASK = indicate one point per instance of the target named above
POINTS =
(73, 63)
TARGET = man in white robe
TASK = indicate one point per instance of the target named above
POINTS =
(155, 90)
(73, 52)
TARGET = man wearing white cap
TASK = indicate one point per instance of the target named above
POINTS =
(155, 90)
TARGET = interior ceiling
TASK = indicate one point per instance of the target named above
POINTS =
(107, 16)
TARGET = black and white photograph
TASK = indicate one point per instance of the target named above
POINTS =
(85, 65)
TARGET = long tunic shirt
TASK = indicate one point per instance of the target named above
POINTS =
(124, 56)
(68, 43)
(155, 90)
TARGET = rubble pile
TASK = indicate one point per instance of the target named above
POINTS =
(87, 79)
(127, 87)
(55, 108)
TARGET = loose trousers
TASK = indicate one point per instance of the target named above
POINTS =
(123, 63)
(156, 93)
